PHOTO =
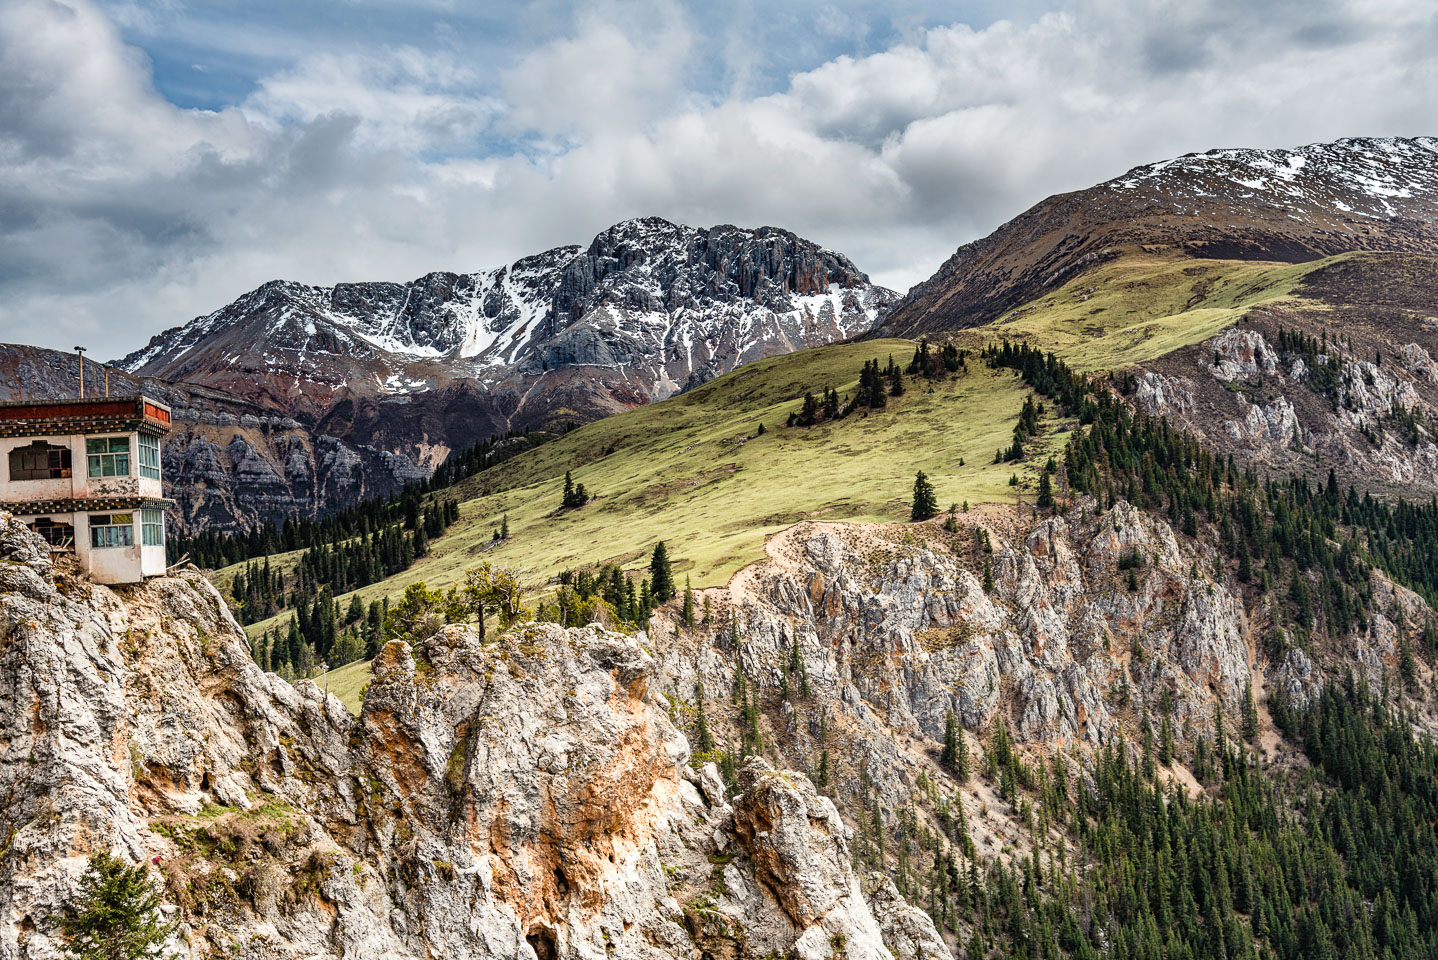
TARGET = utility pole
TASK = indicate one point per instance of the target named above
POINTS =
(81, 352)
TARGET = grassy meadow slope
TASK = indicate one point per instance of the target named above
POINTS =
(1142, 307)
(692, 471)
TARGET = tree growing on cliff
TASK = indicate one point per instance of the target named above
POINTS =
(419, 614)
(926, 502)
(702, 738)
(1250, 712)
(1046, 491)
(687, 616)
(955, 757)
(116, 916)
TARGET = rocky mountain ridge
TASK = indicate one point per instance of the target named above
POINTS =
(532, 796)
(647, 309)
(522, 798)
(1281, 205)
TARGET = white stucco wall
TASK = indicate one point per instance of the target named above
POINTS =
(59, 489)
(113, 564)
(79, 484)
(105, 564)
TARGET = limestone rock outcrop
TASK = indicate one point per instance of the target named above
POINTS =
(528, 797)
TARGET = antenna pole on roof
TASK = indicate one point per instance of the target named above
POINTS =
(81, 352)
(107, 379)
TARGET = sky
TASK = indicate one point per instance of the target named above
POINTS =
(159, 158)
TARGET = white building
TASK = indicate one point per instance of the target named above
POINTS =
(85, 475)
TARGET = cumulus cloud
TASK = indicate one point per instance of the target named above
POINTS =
(122, 214)
(602, 76)
(405, 99)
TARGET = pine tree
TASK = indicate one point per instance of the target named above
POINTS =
(688, 615)
(702, 739)
(1407, 665)
(1250, 712)
(574, 494)
(116, 916)
(926, 502)
(795, 668)
(821, 779)
(1046, 491)
(955, 754)
(988, 575)
(661, 574)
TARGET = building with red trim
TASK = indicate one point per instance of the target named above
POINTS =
(85, 475)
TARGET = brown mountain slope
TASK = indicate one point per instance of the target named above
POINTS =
(1276, 205)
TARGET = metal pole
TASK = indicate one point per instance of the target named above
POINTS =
(107, 379)
(81, 352)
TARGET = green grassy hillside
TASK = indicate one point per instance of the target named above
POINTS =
(348, 683)
(692, 471)
(1141, 307)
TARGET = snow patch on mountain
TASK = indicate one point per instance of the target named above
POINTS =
(662, 305)
(1354, 176)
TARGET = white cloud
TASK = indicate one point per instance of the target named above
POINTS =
(403, 98)
(601, 76)
(121, 214)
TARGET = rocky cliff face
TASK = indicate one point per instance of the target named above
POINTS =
(527, 797)
(1286, 205)
(228, 463)
(894, 629)
(1359, 395)
(647, 309)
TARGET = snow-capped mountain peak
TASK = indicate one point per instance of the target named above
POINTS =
(661, 304)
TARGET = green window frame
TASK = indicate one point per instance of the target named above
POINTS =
(149, 456)
(112, 530)
(107, 456)
(152, 527)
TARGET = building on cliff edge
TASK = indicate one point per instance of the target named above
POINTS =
(85, 475)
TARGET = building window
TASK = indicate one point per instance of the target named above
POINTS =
(60, 535)
(108, 457)
(149, 456)
(39, 461)
(152, 525)
(112, 530)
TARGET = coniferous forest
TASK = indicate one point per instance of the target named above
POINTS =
(1339, 862)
